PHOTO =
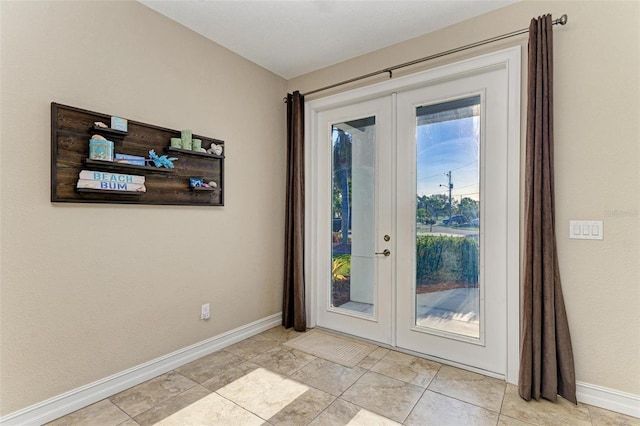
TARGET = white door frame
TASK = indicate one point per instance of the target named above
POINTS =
(510, 60)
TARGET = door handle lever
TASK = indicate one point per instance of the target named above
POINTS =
(385, 252)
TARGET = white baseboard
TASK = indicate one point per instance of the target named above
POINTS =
(75, 399)
(609, 399)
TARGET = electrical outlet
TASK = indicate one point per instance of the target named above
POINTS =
(205, 312)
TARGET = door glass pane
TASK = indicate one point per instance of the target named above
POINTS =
(447, 217)
(353, 216)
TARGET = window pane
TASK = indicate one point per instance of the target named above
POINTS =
(353, 215)
(447, 216)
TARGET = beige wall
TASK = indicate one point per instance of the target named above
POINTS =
(597, 112)
(91, 290)
(88, 291)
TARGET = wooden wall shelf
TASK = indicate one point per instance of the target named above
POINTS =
(107, 191)
(111, 134)
(114, 167)
(71, 129)
(187, 152)
(204, 189)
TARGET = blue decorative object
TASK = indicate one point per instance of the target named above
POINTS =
(129, 159)
(161, 161)
(195, 182)
(101, 149)
(119, 123)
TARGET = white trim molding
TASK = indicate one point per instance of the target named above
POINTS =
(609, 399)
(83, 396)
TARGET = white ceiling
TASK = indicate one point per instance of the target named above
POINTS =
(294, 37)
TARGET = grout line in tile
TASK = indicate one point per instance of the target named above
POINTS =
(172, 398)
(362, 408)
(118, 407)
(320, 413)
(243, 408)
(414, 406)
(504, 395)
(324, 409)
(466, 402)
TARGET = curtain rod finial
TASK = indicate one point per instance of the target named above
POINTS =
(563, 19)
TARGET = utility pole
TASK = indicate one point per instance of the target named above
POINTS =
(450, 186)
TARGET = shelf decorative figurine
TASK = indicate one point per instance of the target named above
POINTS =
(161, 161)
(195, 182)
(215, 149)
(100, 148)
(187, 142)
(199, 184)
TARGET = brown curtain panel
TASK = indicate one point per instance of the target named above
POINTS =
(546, 355)
(293, 304)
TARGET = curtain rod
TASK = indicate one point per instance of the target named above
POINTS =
(560, 21)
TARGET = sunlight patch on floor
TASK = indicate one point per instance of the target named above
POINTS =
(367, 418)
(211, 410)
(260, 391)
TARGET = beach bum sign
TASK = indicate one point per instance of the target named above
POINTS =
(110, 181)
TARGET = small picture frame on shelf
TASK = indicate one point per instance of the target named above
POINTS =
(129, 159)
(119, 123)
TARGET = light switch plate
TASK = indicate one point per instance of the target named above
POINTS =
(205, 311)
(586, 229)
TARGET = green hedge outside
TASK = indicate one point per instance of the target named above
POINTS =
(447, 259)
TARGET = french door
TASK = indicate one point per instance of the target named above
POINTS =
(357, 287)
(414, 233)
(452, 210)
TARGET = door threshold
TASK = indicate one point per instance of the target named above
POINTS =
(416, 354)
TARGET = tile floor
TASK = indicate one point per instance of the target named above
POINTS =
(261, 382)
